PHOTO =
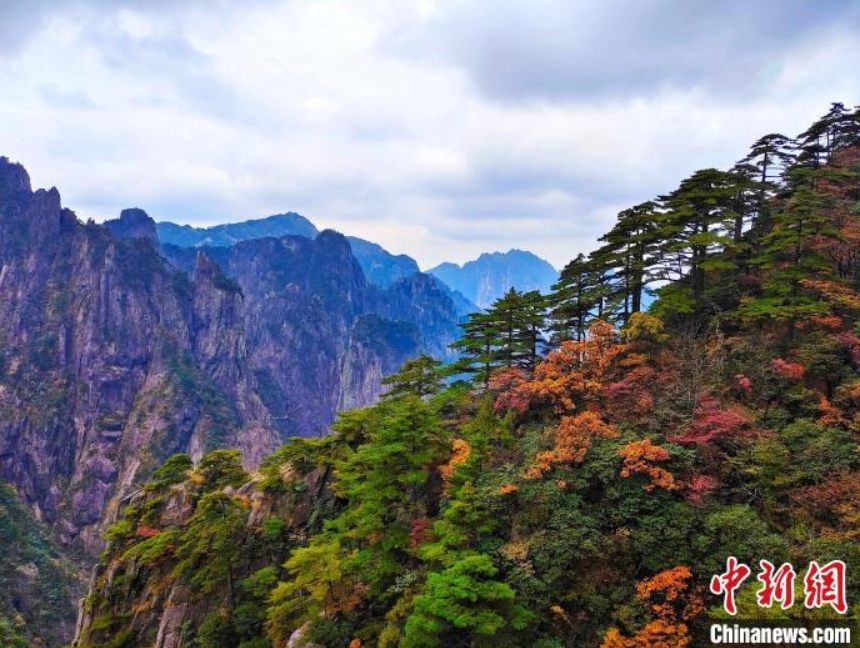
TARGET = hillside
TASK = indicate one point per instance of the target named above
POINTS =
(583, 496)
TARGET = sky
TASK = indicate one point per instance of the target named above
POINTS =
(437, 128)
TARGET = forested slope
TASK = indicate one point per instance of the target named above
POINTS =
(579, 489)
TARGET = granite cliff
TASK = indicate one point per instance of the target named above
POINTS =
(117, 352)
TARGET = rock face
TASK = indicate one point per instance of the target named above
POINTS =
(490, 276)
(115, 354)
(320, 336)
(380, 266)
(108, 362)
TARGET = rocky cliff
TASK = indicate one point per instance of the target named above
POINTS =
(198, 551)
(320, 335)
(115, 353)
(108, 364)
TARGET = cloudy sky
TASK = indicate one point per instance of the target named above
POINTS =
(438, 128)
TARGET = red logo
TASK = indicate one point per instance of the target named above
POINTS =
(728, 583)
(826, 585)
(822, 585)
(777, 585)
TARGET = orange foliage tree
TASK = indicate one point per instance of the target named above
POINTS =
(572, 378)
(574, 436)
(672, 598)
(460, 453)
(640, 458)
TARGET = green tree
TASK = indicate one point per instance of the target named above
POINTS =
(477, 348)
(421, 377)
(627, 255)
(696, 231)
(791, 251)
(221, 468)
(578, 293)
(465, 605)
(212, 543)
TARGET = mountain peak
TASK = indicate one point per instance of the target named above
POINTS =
(228, 234)
(492, 274)
(13, 178)
(133, 223)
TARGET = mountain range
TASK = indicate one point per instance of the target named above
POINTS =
(118, 351)
(126, 342)
(476, 283)
(491, 275)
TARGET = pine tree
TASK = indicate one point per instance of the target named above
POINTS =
(575, 297)
(530, 338)
(836, 130)
(696, 229)
(477, 348)
(626, 256)
(420, 376)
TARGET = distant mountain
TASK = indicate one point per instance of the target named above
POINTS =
(133, 223)
(380, 267)
(229, 234)
(491, 275)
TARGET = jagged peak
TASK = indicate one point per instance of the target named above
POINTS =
(133, 223)
(205, 266)
(333, 237)
(13, 178)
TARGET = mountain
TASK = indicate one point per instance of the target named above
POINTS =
(308, 298)
(231, 233)
(491, 275)
(380, 266)
(133, 223)
(118, 352)
(586, 497)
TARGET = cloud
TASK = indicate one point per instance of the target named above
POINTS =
(438, 129)
(581, 51)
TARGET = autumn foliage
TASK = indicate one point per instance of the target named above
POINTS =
(712, 421)
(672, 599)
(574, 436)
(460, 453)
(572, 379)
(641, 457)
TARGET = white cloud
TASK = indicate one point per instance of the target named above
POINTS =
(339, 111)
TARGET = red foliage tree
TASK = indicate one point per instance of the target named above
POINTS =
(788, 370)
(509, 387)
(712, 421)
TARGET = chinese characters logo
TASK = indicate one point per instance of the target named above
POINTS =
(822, 585)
